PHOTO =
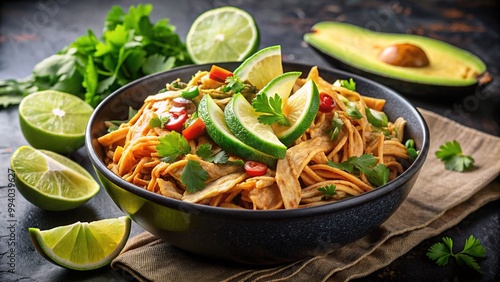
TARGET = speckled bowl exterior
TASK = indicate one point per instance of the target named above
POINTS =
(246, 236)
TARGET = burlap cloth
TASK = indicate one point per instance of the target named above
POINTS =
(439, 200)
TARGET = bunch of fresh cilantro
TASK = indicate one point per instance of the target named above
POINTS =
(91, 67)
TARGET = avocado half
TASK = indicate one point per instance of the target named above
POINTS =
(451, 71)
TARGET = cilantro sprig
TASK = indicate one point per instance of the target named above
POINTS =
(377, 173)
(441, 252)
(91, 68)
(234, 84)
(270, 107)
(328, 191)
(451, 155)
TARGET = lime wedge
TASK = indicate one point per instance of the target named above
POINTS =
(217, 129)
(54, 120)
(241, 119)
(262, 67)
(224, 34)
(300, 109)
(282, 84)
(83, 245)
(51, 181)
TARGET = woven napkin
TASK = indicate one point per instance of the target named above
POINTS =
(439, 200)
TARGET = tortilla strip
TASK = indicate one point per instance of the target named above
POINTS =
(217, 187)
(289, 169)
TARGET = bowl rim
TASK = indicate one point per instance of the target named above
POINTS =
(180, 205)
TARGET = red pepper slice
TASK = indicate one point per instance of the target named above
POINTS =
(219, 74)
(326, 103)
(194, 130)
(253, 168)
(176, 121)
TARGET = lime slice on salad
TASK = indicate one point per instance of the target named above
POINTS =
(262, 67)
(222, 35)
(241, 118)
(51, 181)
(282, 84)
(54, 120)
(300, 109)
(217, 129)
(83, 245)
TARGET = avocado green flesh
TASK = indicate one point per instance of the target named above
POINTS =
(359, 47)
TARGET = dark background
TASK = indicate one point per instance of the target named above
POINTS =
(33, 30)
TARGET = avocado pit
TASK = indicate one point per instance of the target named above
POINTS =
(404, 55)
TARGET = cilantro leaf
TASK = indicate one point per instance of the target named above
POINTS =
(159, 121)
(335, 127)
(377, 173)
(441, 252)
(451, 155)
(328, 191)
(205, 152)
(234, 84)
(271, 109)
(172, 146)
(353, 111)
(193, 176)
(348, 84)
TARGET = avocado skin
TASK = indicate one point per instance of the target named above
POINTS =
(403, 86)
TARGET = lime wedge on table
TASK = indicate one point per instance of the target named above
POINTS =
(300, 109)
(241, 119)
(216, 127)
(54, 120)
(224, 34)
(83, 245)
(262, 67)
(51, 181)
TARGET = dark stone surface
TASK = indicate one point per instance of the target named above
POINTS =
(33, 30)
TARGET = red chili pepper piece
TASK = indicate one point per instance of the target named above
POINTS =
(219, 74)
(194, 130)
(253, 168)
(176, 121)
(326, 103)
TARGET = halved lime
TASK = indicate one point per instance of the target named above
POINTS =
(282, 85)
(300, 109)
(83, 245)
(223, 34)
(217, 129)
(51, 181)
(262, 67)
(54, 120)
(241, 119)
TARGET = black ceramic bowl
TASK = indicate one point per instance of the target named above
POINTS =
(246, 236)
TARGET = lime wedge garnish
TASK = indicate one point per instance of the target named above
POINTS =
(51, 181)
(224, 34)
(262, 67)
(217, 129)
(54, 120)
(281, 85)
(83, 245)
(300, 109)
(241, 119)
